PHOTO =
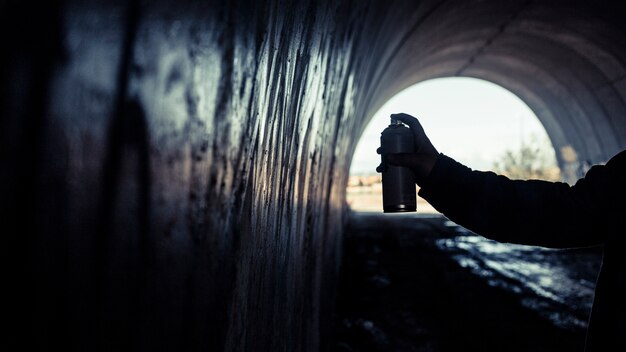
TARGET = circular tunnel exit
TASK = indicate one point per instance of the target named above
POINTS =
(478, 123)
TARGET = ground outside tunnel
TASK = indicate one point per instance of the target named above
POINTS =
(421, 283)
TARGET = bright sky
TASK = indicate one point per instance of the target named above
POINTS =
(471, 120)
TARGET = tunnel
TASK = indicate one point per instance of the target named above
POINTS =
(174, 173)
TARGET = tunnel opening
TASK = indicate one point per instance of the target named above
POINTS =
(476, 122)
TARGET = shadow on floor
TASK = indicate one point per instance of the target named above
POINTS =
(402, 290)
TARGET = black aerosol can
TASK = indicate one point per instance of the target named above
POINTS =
(398, 181)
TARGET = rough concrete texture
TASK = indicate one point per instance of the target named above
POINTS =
(173, 174)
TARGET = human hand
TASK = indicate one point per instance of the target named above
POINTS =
(422, 161)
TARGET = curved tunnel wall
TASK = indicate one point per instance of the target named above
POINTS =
(176, 172)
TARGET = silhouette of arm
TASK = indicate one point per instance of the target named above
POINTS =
(549, 214)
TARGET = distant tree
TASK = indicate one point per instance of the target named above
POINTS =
(533, 160)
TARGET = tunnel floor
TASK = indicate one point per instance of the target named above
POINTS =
(421, 283)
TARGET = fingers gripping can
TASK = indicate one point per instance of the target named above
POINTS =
(398, 181)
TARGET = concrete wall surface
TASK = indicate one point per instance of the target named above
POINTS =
(173, 173)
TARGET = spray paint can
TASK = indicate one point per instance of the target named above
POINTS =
(398, 181)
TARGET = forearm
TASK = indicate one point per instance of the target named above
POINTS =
(526, 212)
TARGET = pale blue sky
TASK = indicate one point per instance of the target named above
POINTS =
(471, 120)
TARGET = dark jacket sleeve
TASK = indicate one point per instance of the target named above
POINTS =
(533, 212)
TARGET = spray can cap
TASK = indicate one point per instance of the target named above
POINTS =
(395, 122)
